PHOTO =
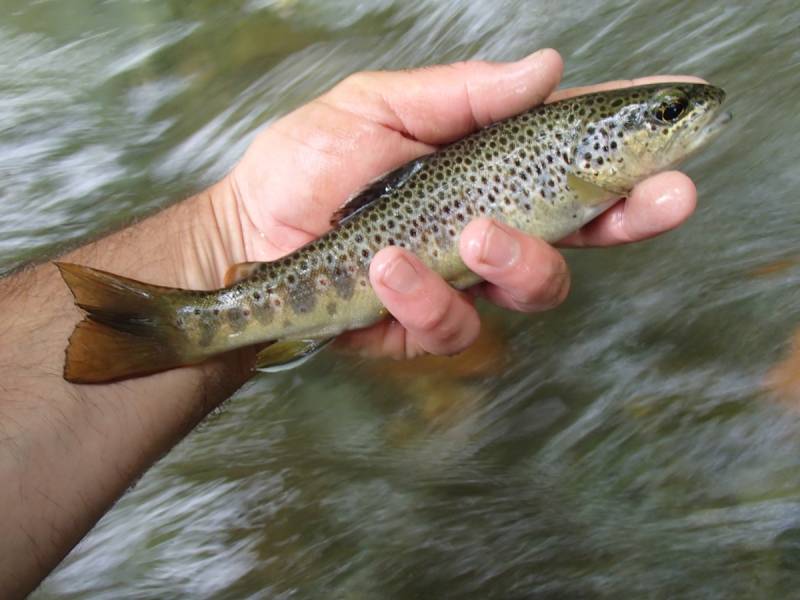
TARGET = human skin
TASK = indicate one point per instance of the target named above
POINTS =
(67, 452)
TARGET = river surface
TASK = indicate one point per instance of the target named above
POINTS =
(642, 441)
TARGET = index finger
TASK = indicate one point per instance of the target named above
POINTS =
(620, 83)
(656, 205)
(440, 104)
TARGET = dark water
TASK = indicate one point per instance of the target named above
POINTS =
(628, 447)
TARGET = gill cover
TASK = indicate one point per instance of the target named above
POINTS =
(636, 132)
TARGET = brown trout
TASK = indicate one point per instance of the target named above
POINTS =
(547, 172)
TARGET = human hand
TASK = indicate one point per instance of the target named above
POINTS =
(303, 167)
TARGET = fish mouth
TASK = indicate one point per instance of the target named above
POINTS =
(718, 123)
(711, 130)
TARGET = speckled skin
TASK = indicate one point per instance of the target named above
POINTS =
(521, 171)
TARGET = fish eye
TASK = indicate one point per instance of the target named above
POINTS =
(670, 108)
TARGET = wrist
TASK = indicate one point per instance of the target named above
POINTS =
(210, 238)
(190, 245)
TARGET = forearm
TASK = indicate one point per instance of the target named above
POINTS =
(68, 452)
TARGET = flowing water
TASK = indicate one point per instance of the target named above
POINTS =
(643, 440)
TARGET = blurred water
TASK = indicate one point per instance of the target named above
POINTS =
(627, 447)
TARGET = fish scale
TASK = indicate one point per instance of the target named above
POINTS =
(547, 172)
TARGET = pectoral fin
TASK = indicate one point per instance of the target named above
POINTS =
(288, 354)
(589, 193)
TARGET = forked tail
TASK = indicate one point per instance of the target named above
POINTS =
(129, 328)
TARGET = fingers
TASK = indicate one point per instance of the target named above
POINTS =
(437, 318)
(658, 204)
(439, 104)
(383, 119)
(522, 273)
(621, 83)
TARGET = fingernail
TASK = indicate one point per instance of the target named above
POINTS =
(401, 276)
(498, 249)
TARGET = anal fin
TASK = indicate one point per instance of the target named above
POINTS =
(288, 354)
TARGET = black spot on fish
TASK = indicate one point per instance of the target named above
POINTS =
(302, 298)
(343, 283)
(208, 330)
(263, 312)
(236, 318)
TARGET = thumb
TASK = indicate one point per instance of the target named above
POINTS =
(440, 104)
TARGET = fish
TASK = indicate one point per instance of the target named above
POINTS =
(547, 172)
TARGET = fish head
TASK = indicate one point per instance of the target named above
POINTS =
(632, 133)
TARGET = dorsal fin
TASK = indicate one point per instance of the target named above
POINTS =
(240, 271)
(380, 187)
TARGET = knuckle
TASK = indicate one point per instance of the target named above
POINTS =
(448, 335)
(448, 328)
(359, 80)
(468, 65)
(460, 65)
(413, 348)
(555, 285)
(561, 287)
(434, 319)
(547, 289)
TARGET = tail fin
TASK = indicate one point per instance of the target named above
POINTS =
(129, 329)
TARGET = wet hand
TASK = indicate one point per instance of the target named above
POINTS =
(302, 168)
